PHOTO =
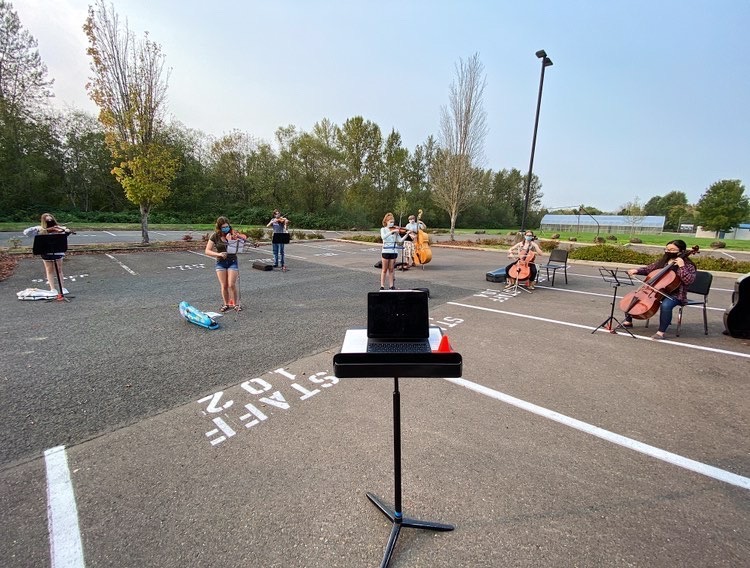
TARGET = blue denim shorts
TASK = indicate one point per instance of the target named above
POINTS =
(224, 264)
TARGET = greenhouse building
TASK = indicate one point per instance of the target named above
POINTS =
(603, 224)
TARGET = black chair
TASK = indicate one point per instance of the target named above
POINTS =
(558, 260)
(701, 286)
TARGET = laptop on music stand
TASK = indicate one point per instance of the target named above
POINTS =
(398, 321)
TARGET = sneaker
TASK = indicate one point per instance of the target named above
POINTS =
(382, 287)
(393, 288)
(657, 337)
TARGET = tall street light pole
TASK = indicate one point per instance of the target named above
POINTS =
(546, 62)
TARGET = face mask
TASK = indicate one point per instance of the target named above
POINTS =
(528, 238)
(391, 223)
(226, 230)
(672, 254)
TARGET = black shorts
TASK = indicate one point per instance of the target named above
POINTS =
(389, 255)
(53, 256)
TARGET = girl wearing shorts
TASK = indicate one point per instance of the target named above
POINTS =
(391, 241)
(52, 262)
(227, 269)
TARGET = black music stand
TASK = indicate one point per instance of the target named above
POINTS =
(616, 280)
(429, 365)
(52, 243)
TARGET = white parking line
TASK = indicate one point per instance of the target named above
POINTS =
(591, 328)
(122, 265)
(65, 546)
(680, 461)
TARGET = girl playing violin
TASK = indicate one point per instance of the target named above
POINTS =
(520, 251)
(227, 269)
(390, 235)
(673, 255)
(48, 225)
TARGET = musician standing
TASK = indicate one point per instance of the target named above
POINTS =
(685, 271)
(412, 229)
(390, 235)
(53, 261)
(521, 250)
(279, 225)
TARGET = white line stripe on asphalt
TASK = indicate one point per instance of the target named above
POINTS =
(122, 265)
(109, 233)
(674, 459)
(588, 327)
(66, 550)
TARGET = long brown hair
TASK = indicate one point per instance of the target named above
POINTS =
(219, 222)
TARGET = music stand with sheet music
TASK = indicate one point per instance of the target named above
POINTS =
(616, 280)
(52, 243)
(355, 362)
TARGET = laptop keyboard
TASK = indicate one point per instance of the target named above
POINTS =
(399, 347)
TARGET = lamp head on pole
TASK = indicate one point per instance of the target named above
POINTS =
(541, 54)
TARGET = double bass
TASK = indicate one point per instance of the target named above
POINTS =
(645, 302)
(422, 251)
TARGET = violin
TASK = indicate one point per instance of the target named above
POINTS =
(645, 302)
(422, 251)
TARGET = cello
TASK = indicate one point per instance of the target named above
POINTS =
(422, 251)
(645, 302)
(521, 269)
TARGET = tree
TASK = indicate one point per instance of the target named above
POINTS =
(633, 213)
(461, 141)
(723, 206)
(673, 206)
(27, 146)
(129, 86)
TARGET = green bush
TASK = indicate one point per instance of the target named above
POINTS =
(599, 240)
(256, 233)
(548, 246)
(609, 253)
(635, 241)
(611, 237)
(718, 245)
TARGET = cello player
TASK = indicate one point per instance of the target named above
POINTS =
(412, 228)
(673, 254)
(520, 250)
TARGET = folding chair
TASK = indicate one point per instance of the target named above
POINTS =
(558, 259)
(701, 286)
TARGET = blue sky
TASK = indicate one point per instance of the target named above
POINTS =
(644, 97)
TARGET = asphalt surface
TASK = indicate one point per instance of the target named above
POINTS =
(190, 447)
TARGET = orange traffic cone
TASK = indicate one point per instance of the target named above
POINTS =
(445, 345)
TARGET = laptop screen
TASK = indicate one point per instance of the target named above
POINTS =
(398, 315)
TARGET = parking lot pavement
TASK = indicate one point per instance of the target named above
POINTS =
(189, 447)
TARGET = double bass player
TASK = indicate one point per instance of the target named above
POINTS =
(675, 255)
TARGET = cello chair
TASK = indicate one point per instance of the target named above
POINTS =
(701, 286)
(558, 260)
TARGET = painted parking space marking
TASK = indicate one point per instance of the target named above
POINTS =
(199, 266)
(669, 457)
(70, 278)
(131, 271)
(602, 330)
(65, 546)
(109, 233)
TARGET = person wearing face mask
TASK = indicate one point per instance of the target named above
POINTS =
(279, 225)
(392, 239)
(673, 256)
(48, 225)
(520, 250)
(227, 268)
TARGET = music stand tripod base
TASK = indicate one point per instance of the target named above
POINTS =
(616, 280)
